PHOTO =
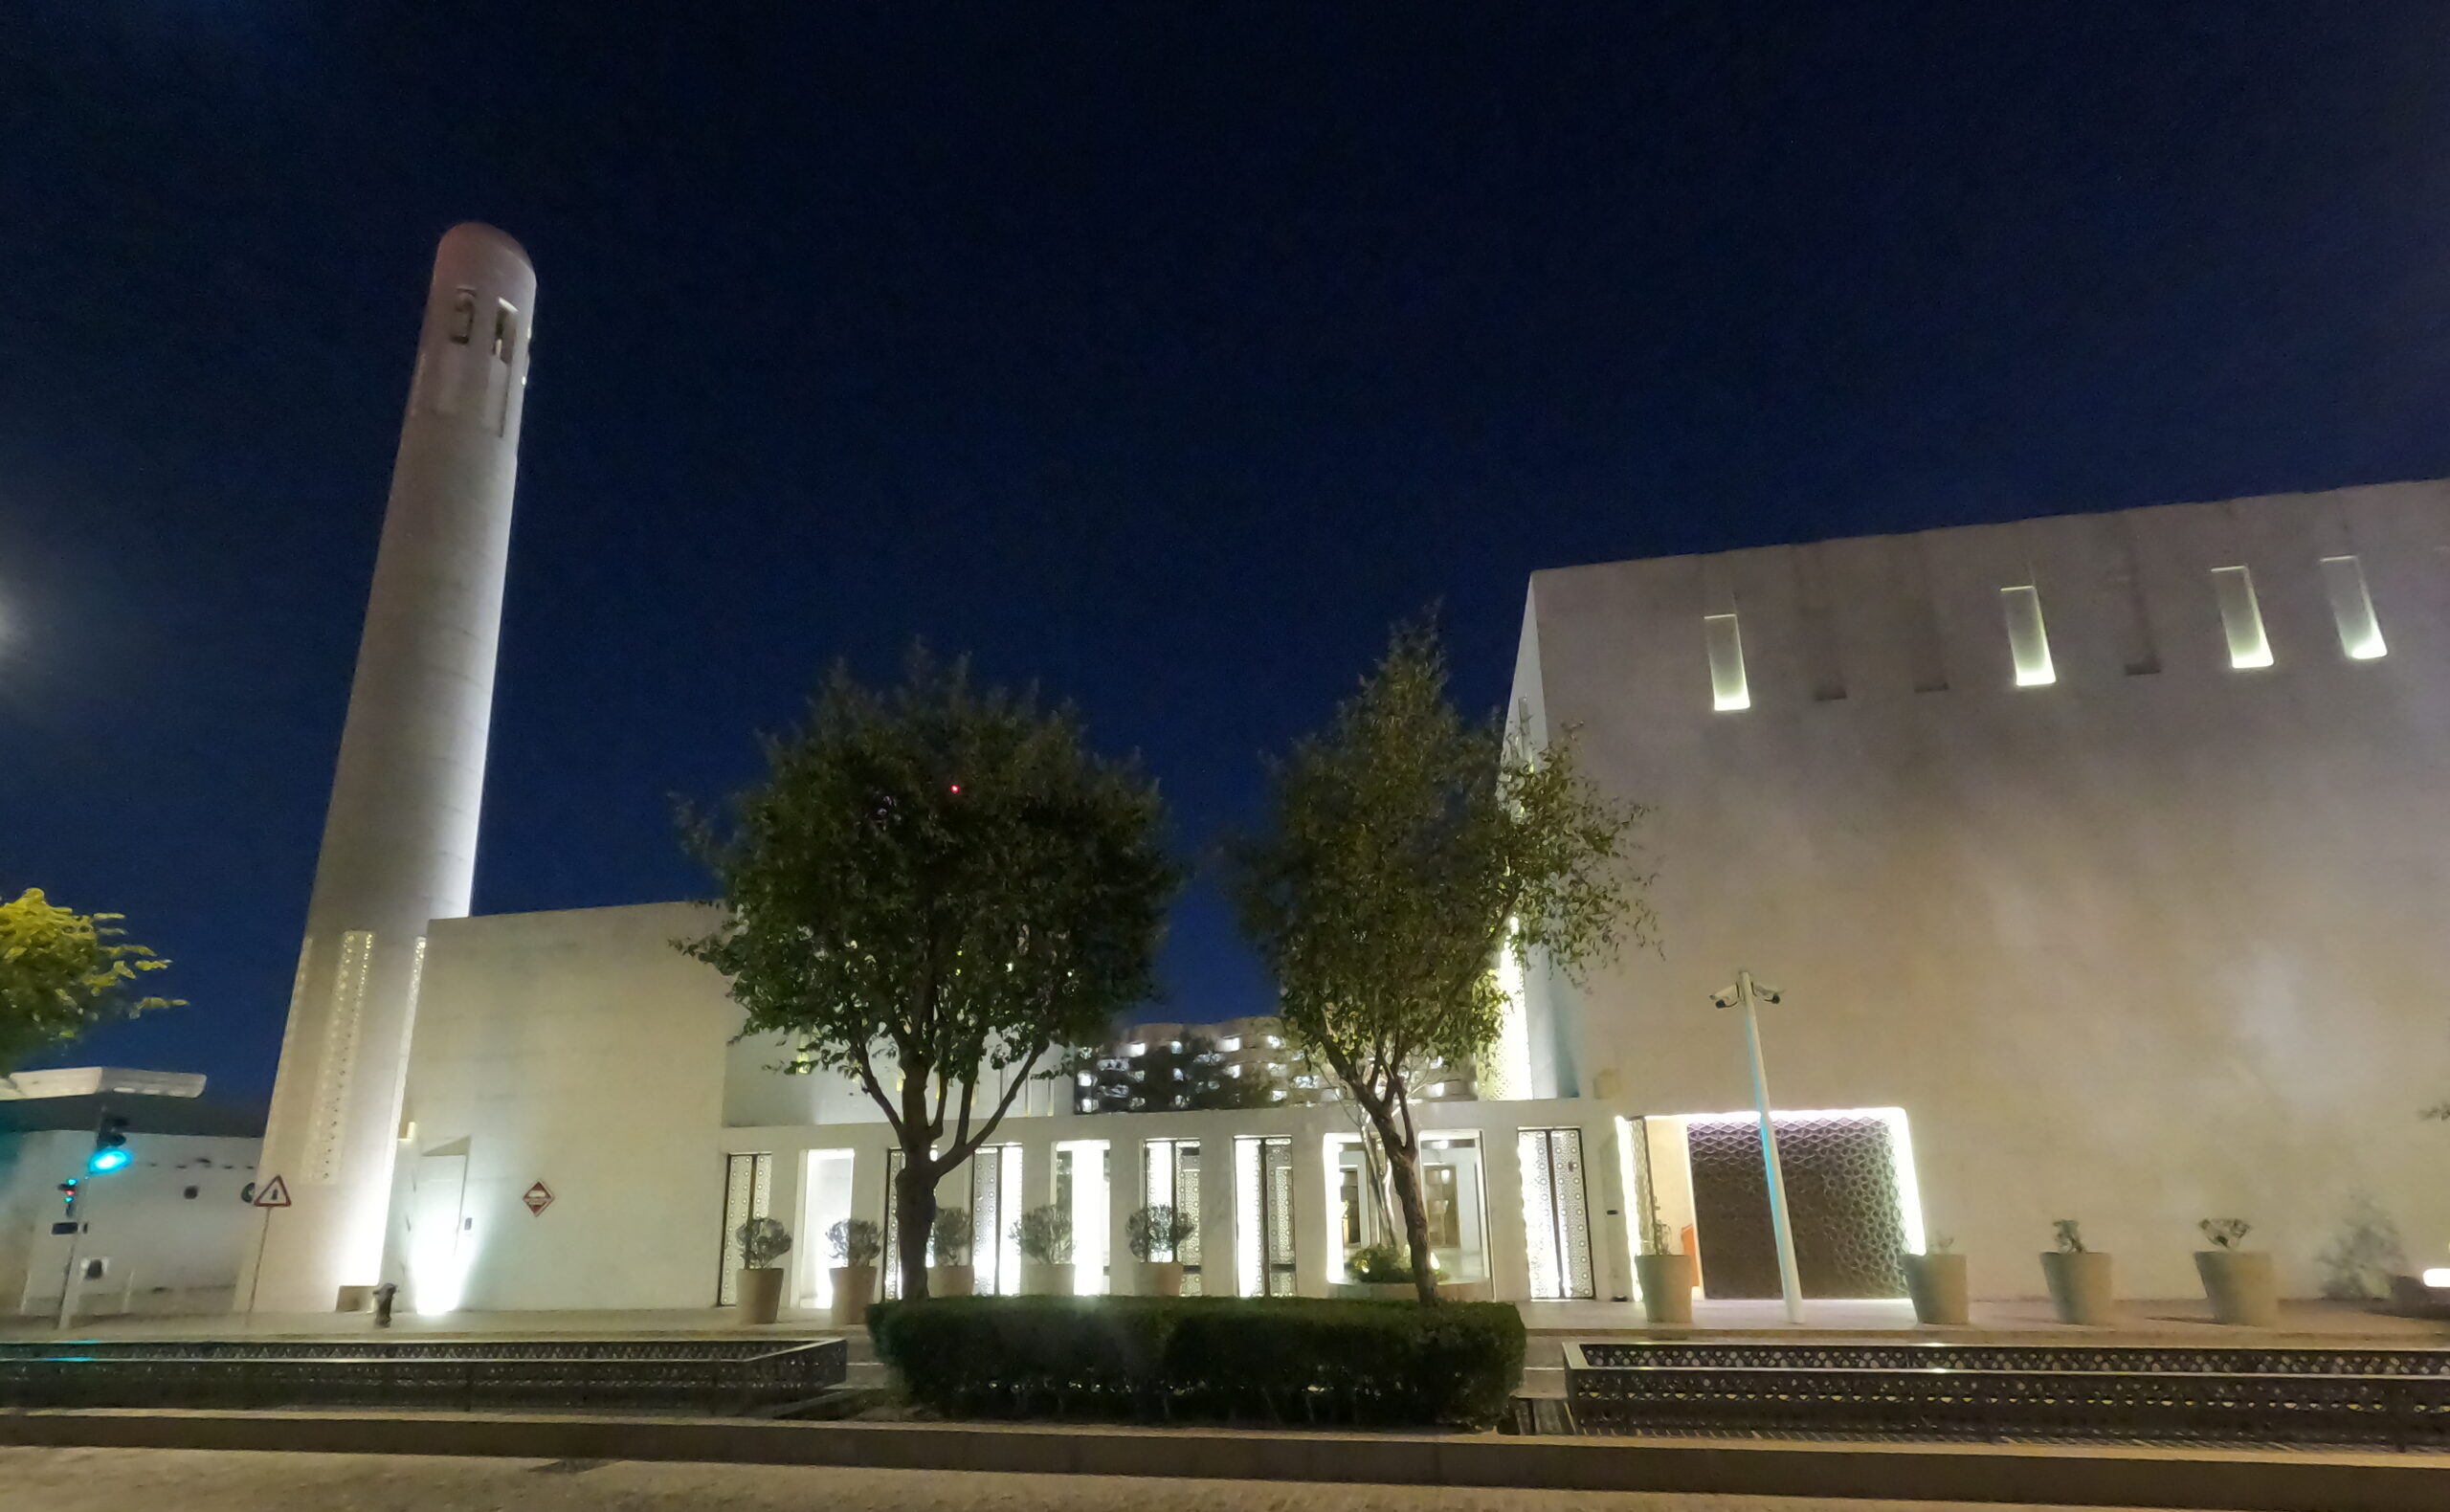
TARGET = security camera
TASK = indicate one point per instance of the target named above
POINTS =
(1724, 997)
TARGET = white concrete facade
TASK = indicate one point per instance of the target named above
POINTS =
(580, 1051)
(399, 844)
(2158, 939)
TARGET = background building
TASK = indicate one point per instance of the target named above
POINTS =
(166, 1230)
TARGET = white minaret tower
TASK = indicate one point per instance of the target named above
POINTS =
(400, 837)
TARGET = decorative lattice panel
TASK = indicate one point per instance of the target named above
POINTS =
(1276, 1182)
(1842, 1192)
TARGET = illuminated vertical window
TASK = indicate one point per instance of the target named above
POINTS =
(1727, 689)
(2240, 617)
(2027, 641)
(2360, 633)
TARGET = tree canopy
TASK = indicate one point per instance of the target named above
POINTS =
(63, 973)
(933, 888)
(1404, 848)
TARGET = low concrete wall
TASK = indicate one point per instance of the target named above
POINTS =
(2235, 1480)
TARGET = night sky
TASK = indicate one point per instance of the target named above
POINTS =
(1160, 353)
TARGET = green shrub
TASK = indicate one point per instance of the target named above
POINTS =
(1298, 1360)
(1380, 1264)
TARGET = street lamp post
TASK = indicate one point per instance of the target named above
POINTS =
(1744, 994)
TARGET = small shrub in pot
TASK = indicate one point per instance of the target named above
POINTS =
(2240, 1283)
(1935, 1279)
(855, 1243)
(1666, 1277)
(2080, 1278)
(948, 1242)
(1155, 1235)
(762, 1243)
(1044, 1238)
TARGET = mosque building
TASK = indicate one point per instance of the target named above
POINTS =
(2103, 860)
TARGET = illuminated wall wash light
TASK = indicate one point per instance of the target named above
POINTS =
(1729, 689)
(2438, 1277)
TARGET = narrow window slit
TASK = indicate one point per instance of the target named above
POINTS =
(2240, 617)
(2360, 633)
(1728, 687)
(2028, 642)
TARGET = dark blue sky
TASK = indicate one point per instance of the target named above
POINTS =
(1162, 353)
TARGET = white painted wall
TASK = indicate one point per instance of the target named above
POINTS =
(2136, 950)
(577, 1048)
(168, 1251)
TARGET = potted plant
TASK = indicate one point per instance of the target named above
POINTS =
(948, 1246)
(1044, 1236)
(856, 1243)
(763, 1241)
(1381, 1272)
(2240, 1283)
(1935, 1279)
(2079, 1278)
(1666, 1278)
(1158, 1231)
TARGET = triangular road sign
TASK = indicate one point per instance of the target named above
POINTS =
(275, 1194)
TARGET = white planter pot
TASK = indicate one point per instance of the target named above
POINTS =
(853, 1286)
(2244, 1288)
(1160, 1278)
(2079, 1287)
(1667, 1287)
(950, 1280)
(760, 1289)
(1046, 1277)
(1937, 1284)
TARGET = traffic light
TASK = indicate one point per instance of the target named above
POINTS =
(67, 1195)
(110, 1145)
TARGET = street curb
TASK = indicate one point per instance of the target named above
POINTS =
(2233, 1481)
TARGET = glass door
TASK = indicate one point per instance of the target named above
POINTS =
(1170, 1179)
(1557, 1222)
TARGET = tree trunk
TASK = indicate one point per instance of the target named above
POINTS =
(1403, 1162)
(914, 1214)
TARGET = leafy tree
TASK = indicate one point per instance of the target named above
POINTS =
(931, 888)
(1404, 846)
(62, 974)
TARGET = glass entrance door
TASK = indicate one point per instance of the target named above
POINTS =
(1263, 1215)
(1556, 1217)
(1172, 1180)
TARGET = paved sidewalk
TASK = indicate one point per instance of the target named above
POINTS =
(115, 1479)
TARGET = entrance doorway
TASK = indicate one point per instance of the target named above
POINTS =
(1170, 1179)
(1263, 1215)
(1556, 1212)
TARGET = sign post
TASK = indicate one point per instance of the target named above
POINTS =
(274, 1193)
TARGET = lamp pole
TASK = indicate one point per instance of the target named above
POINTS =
(1745, 994)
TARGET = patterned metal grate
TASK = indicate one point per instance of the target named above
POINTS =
(707, 1374)
(2394, 1398)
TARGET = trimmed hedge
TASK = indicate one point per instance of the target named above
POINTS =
(1297, 1360)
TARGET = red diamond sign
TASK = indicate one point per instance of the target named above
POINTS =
(538, 1198)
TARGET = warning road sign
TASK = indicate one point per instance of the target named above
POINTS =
(539, 1197)
(275, 1194)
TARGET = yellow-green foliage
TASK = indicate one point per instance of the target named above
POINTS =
(63, 972)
